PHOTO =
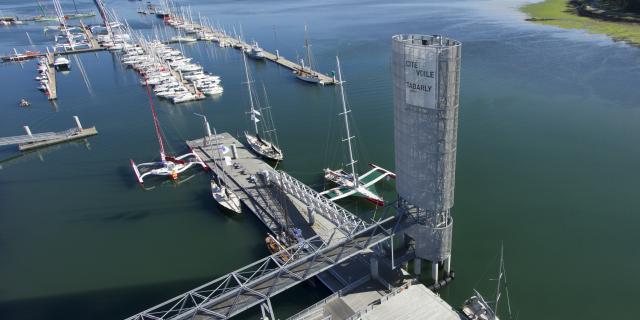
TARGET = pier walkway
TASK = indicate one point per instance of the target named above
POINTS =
(52, 89)
(276, 58)
(339, 236)
(275, 208)
(242, 289)
(336, 244)
(32, 141)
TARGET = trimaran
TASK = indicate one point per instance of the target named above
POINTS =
(168, 166)
(259, 144)
(352, 183)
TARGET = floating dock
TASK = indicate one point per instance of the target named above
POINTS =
(92, 40)
(52, 93)
(276, 58)
(31, 141)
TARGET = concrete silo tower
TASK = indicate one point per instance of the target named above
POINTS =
(426, 78)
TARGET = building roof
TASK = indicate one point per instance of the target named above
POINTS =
(414, 303)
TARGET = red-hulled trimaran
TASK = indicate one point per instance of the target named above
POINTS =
(168, 166)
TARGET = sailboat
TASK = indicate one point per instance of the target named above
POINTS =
(260, 145)
(477, 308)
(44, 17)
(220, 192)
(79, 15)
(306, 73)
(350, 183)
(168, 166)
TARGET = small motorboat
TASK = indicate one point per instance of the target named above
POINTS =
(61, 63)
(24, 103)
(255, 52)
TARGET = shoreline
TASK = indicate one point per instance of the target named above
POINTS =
(561, 13)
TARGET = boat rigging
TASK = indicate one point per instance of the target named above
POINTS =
(351, 183)
(306, 73)
(259, 144)
(168, 166)
(221, 193)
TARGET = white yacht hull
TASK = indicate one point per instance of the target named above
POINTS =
(225, 198)
(308, 77)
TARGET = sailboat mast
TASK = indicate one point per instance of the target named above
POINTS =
(495, 308)
(307, 47)
(217, 146)
(346, 125)
(155, 122)
(44, 14)
(253, 110)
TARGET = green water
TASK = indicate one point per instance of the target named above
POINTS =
(547, 160)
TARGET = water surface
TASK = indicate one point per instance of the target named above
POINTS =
(547, 159)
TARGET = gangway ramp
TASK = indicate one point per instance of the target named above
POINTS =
(256, 283)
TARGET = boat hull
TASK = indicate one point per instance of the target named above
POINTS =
(225, 199)
(306, 77)
(264, 148)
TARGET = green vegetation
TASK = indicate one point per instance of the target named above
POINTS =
(625, 5)
(562, 14)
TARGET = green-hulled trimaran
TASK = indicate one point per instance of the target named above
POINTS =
(352, 183)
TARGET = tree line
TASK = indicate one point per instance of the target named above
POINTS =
(626, 5)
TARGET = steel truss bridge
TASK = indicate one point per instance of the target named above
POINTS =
(256, 283)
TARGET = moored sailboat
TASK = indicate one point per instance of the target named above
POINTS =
(477, 308)
(219, 190)
(350, 183)
(306, 73)
(259, 144)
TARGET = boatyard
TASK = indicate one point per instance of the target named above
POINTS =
(293, 161)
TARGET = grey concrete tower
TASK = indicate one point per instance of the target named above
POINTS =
(426, 79)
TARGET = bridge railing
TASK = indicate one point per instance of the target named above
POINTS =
(347, 221)
(245, 287)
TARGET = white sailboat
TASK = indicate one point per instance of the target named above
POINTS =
(477, 308)
(260, 145)
(350, 183)
(220, 192)
(306, 73)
